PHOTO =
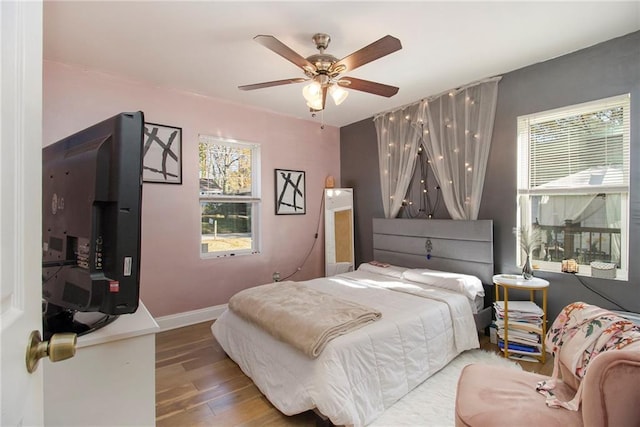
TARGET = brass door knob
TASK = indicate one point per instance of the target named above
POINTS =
(59, 347)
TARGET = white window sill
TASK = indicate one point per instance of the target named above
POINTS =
(216, 255)
(583, 270)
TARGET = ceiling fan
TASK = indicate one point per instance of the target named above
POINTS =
(324, 70)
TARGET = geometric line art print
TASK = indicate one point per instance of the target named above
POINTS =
(162, 154)
(290, 192)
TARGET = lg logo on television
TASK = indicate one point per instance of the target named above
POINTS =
(57, 204)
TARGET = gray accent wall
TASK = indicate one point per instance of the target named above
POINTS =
(359, 170)
(607, 69)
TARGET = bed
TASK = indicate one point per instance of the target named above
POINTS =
(360, 374)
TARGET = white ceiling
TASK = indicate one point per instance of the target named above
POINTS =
(206, 47)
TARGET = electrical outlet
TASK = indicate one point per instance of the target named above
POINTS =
(276, 276)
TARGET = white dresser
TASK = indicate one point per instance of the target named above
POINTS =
(111, 379)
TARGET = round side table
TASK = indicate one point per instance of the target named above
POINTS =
(512, 281)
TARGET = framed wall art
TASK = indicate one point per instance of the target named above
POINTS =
(290, 192)
(162, 154)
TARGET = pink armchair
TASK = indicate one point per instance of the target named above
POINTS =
(596, 377)
(496, 396)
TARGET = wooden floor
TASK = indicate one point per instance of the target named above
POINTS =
(198, 385)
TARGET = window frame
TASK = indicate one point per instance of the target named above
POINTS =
(525, 192)
(254, 199)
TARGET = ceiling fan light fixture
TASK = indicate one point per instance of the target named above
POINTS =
(338, 94)
(312, 92)
(315, 105)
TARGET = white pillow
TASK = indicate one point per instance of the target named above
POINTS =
(464, 284)
(383, 269)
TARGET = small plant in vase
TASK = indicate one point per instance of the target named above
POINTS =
(529, 240)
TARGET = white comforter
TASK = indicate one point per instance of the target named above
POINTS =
(360, 374)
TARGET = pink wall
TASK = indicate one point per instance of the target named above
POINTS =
(174, 278)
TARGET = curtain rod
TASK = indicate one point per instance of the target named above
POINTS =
(431, 97)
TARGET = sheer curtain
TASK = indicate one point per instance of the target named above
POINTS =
(398, 142)
(457, 136)
(589, 210)
(556, 210)
(613, 204)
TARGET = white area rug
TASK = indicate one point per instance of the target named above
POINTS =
(432, 403)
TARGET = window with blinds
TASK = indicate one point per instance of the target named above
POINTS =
(573, 183)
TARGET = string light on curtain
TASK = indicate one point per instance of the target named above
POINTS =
(425, 207)
(398, 159)
(456, 142)
(467, 115)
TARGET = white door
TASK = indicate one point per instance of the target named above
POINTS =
(20, 207)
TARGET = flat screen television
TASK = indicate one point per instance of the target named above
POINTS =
(91, 225)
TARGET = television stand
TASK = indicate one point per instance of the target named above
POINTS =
(111, 379)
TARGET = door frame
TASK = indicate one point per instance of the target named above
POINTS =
(21, 29)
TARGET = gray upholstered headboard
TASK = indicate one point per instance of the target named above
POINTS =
(458, 246)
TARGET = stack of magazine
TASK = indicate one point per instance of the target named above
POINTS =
(524, 328)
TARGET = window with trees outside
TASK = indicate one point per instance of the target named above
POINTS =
(229, 197)
(573, 185)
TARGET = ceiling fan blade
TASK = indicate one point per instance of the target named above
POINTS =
(273, 83)
(368, 86)
(286, 52)
(375, 50)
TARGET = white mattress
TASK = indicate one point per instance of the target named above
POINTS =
(360, 374)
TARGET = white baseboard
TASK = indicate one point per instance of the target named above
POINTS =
(173, 321)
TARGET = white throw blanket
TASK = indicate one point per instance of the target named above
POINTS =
(300, 316)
